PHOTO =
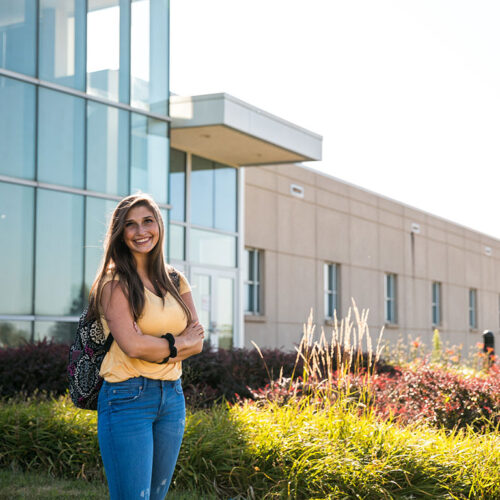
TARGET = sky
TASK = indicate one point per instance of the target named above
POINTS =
(406, 94)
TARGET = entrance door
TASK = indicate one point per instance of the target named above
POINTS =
(214, 297)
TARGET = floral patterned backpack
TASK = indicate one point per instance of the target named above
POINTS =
(86, 355)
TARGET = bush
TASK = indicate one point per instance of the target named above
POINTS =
(293, 451)
(440, 397)
(50, 436)
(209, 377)
(30, 368)
(225, 374)
(237, 373)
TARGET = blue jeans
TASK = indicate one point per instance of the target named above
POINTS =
(140, 427)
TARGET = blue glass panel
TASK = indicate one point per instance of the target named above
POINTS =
(164, 217)
(16, 244)
(149, 57)
(202, 192)
(15, 333)
(60, 138)
(225, 197)
(59, 253)
(108, 52)
(18, 36)
(17, 128)
(98, 213)
(62, 42)
(176, 242)
(107, 149)
(177, 185)
(207, 247)
(59, 331)
(149, 157)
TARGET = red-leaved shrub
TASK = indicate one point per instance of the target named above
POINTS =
(439, 397)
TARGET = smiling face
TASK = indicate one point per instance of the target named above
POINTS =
(141, 232)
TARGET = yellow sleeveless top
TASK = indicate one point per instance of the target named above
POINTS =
(156, 319)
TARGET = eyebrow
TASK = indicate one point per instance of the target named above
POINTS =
(146, 217)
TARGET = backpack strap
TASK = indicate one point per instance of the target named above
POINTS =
(176, 279)
(109, 341)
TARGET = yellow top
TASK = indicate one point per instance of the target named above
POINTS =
(156, 319)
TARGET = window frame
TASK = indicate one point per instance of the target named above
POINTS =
(254, 281)
(473, 308)
(437, 303)
(391, 301)
(331, 289)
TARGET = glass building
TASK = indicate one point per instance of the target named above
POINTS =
(83, 122)
(85, 119)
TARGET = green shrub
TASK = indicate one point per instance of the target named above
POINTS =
(37, 367)
(50, 436)
(270, 451)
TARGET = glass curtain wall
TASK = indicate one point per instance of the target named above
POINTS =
(83, 122)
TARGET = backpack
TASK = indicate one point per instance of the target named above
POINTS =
(86, 355)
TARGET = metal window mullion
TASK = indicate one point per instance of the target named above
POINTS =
(35, 211)
(67, 189)
(336, 288)
(37, 37)
(394, 298)
(438, 300)
(386, 297)
(254, 279)
(85, 158)
(394, 294)
(78, 93)
(187, 211)
(36, 317)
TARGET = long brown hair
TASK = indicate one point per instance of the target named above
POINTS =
(119, 260)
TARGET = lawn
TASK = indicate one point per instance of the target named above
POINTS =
(39, 486)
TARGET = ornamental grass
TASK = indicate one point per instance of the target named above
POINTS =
(300, 450)
(316, 434)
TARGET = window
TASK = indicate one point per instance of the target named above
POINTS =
(213, 194)
(177, 185)
(149, 151)
(107, 149)
(331, 289)
(18, 36)
(59, 254)
(97, 216)
(16, 265)
(472, 308)
(436, 303)
(108, 49)
(61, 55)
(14, 333)
(211, 248)
(253, 266)
(17, 128)
(176, 242)
(149, 55)
(390, 298)
(61, 150)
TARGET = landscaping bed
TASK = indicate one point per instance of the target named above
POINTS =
(329, 422)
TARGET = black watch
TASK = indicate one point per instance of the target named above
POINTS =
(171, 343)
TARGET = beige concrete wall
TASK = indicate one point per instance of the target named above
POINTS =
(368, 236)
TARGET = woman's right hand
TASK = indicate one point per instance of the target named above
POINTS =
(193, 333)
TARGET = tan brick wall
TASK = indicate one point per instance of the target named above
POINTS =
(368, 235)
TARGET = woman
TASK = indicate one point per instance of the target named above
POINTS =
(141, 410)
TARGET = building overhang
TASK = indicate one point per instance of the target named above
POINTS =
(230, 131)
